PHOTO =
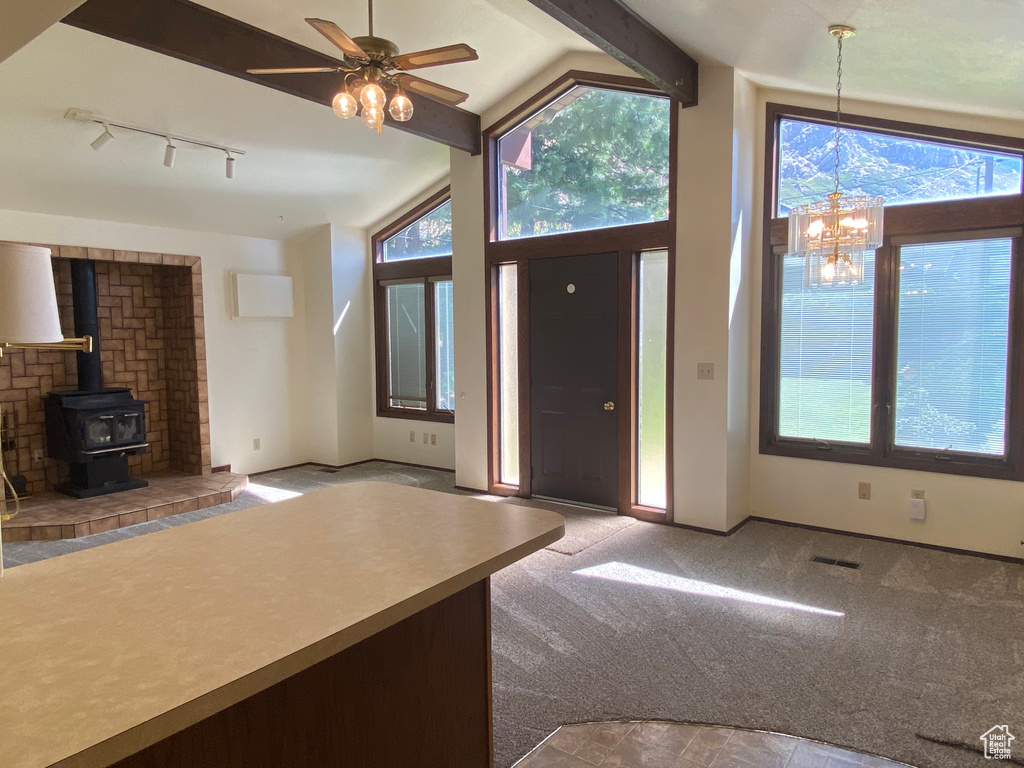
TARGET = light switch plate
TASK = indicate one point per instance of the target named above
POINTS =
(705, 371)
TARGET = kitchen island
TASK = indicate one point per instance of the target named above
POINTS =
(350, 626)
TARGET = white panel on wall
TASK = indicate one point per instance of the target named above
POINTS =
(264, 296)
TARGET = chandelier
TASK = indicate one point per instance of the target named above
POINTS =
(834, 234)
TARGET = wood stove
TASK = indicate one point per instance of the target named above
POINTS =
(94, 432)
(94, 429)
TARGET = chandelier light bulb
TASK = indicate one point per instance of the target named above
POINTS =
(400, 107)
(372, 97)
(345, 104)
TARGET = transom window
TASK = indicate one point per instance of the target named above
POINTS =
(592, 158)
(430, 235)
(910, 364)
(413, 307)
(901, 169)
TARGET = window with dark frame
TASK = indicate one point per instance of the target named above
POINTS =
(917, 366)
(413, 314)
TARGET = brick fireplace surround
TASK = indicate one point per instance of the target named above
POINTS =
(152, 339)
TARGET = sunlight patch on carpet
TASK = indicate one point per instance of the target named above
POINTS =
(644, 577)
(269, 494)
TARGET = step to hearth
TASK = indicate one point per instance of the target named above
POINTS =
(49, 516)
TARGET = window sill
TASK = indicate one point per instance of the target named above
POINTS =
(396, 413)
(993, 469)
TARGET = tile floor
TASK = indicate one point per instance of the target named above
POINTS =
(50, 516)
(682, 745)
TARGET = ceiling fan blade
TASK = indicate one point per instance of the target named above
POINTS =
(433, 90)
(337, 35)
(292, 70)
(450, 54)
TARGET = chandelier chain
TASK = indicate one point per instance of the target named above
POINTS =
(839, 104)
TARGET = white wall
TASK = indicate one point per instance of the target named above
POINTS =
(256, 379)
(713, 262)
(351, 325)
(963, 512)
(741, 328)
(319, 402)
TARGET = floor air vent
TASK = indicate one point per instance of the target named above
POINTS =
(833, 561)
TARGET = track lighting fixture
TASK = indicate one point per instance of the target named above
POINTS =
(173, 140)
(103, 139)
(169, 153)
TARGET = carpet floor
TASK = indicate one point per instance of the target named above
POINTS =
(906, 657)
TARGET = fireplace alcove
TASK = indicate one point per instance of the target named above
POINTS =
(152, 341)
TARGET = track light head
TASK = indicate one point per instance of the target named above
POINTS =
(169, 153)
(103, 139)
(229, 166)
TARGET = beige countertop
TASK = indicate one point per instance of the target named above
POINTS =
(106, 651)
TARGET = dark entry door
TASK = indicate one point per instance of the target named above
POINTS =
(573, 369)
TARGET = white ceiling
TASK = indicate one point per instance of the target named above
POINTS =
(305, 167)
(960, 55)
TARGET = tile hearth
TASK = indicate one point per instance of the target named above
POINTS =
(49, 516)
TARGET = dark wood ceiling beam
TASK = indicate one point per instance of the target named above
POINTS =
(624, 35)
(196, 34)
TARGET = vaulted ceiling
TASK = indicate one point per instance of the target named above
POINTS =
(305, 167)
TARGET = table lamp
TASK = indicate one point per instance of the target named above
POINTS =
(28, 320)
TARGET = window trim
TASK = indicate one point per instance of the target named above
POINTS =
(972, 217)
(428, 270)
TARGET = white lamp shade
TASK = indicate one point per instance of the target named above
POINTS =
(28, 299)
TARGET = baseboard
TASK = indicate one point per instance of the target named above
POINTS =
(346, 466)
(712, 531)
(311, 464)
(417, 466)
(222, 468)
(477, 490)
(888, 540)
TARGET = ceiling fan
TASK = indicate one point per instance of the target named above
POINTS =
(373, 66)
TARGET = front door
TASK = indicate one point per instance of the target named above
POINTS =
(573, 378)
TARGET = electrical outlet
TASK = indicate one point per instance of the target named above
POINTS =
(863, 490)
(412, 436)
(433, 439)
(426, 438)
(705, 370)
(37, 454)
(917, 494)
(256, 444)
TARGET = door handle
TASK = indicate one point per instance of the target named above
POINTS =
(609, 406)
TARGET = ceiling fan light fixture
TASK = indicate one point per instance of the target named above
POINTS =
(372, 96)
(373, 118)
(401, 108)
(345, 104)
